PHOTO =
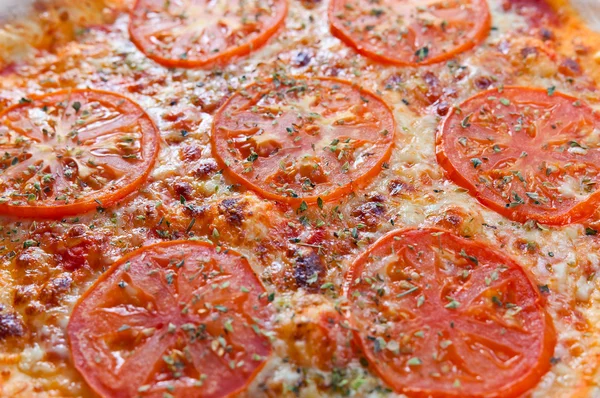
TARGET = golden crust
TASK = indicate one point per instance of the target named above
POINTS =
(41, 282)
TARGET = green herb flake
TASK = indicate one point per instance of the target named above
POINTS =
(422, 53)
(465, 122)
(303, 207)
(476, 162)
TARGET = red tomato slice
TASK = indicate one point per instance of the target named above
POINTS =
(174, 318)
(296, 139)
(73, 151)
(525, 154)
(410, 32)
(438, 315)
(196, 33)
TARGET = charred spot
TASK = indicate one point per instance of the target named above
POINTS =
(569, 67)
(261, 251)
(196, 211)
(442, 108)
(459, 221)
(375, 197)
(64, 16)
(483, 82)
(183, 188)
(434, 91)
(77, 231)
(24, 294)
(393, 82)
(369, 213)
(11, 325)
(308, 266)
(179, 77)
(144, 84)
(454, 219)
(537, 12)
(136, 88)
(529, 51)
(208, 105)
(399, 187)
(30, 258)
(546, 34)
(301, 58)
(233, 210)
(526, 247)
(206, 168)
(54, 289)
(431, 79)
(173, 116)
(191, 152)
(34, 308)
(580, 48)
(333, 71)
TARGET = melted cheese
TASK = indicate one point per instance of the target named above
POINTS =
(272, 236)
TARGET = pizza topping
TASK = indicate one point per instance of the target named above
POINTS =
(315, 333)
(439, 315)
(301, 140)
(196, 33)
(11, 325)
(526, 153)
(177, 318)
(410, 32)
(73, 151)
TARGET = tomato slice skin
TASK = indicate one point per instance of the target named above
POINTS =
(380, 20)
(298, 139)
(438, 315)
(521, 151)
(51, 141)
(161, 48)
(179, 317)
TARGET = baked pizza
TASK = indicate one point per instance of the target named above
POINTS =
(299, 198)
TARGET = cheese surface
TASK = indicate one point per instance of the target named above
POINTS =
(301, 256)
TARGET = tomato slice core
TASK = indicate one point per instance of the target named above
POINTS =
(438, 315)
(410, 32)
(525, 153)
(73, 151)
(174, 318)
(295, 139)
(197, 33)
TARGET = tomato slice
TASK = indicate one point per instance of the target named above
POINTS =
(73, 151)
(410, 32)
(526, 153)
(438, 315)
(297, 139)
(197, 33)
(174, 318)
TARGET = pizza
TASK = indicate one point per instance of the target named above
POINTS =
(299, 198)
